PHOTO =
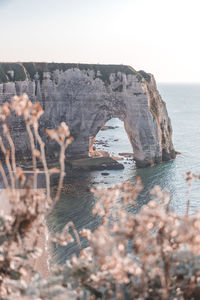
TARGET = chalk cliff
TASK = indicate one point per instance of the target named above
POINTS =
(86, 97)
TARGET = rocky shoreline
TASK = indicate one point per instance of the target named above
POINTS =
(94, 163)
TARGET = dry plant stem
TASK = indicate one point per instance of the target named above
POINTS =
(71, 224)
(169, 202)
(33, 155)
(7, 159)
(43, 157)
(10, 170)
(62, 170)
(4, 176)
(188, 202)
(12, 147)
(163, 282)
(188, 207)
(166, 277)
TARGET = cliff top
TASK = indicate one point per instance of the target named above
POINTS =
(27, 70)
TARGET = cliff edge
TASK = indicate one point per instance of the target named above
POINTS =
(86, 97)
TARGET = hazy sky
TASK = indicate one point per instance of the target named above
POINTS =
(159, 36)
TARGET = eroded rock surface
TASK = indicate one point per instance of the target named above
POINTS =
(86, 97)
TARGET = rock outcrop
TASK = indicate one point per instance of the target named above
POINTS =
(86, 97)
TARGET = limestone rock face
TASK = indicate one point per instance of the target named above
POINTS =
(86, 97)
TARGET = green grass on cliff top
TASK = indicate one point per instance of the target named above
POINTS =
(29, 69)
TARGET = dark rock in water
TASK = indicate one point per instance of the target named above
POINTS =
(177, 153)
(126, 154)
(105, 173)
(92, 164)
(108, 127)
(103, 143)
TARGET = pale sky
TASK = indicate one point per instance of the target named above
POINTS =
(159, 36)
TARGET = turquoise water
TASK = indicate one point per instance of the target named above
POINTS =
(183, 104)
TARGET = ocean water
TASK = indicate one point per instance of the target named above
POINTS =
(183, 104)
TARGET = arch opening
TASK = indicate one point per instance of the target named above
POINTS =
(112, 140)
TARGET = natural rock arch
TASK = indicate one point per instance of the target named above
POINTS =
(86, 97)
(115, 137)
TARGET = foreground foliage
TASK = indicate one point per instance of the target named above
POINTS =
(154, 254)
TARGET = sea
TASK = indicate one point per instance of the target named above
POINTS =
(77, 201)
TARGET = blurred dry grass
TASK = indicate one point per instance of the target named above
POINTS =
(154, 254)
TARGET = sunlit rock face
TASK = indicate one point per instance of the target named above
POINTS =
(86, 97)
